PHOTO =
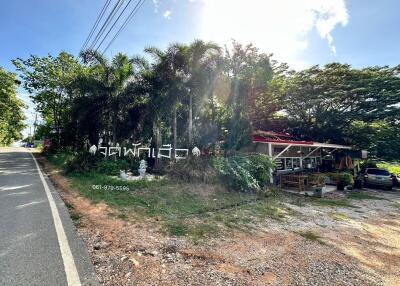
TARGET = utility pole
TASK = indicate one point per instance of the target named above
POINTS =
(34, 128)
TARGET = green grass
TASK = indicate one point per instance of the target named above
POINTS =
(194, 210)
(157, 198)
(363, 196)
(177, 228)
(339, 216)
(59, 159)
(198, 211)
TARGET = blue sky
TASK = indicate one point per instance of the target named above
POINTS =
(300, 32)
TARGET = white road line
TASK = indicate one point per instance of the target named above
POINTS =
(69, 264)
(29, 204)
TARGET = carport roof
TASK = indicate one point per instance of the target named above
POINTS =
(283, 142)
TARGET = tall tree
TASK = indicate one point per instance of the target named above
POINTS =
(49, 81)
(111, 79)
(11, 109)
(203, 62)
(169, 80)
(322, 103)
(250, 73)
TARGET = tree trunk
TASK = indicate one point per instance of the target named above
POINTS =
(114, 135)
(157, 141)
(190, 127)
(175, 133)
(114, 132)
(56, 124)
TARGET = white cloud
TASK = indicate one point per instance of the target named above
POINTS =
(278, 26)
(167, 14)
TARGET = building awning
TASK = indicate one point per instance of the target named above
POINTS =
(285, 142)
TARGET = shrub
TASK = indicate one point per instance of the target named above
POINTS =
(133, 165)
(192, 169)
(80, 162)
(110, 167)
(345, 179)
(244, 172)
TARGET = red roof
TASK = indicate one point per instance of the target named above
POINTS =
(262, 139)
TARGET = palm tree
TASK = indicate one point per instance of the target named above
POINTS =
(169, 70)
(111, 78)
(203, 60)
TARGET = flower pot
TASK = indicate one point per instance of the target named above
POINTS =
(340, 187)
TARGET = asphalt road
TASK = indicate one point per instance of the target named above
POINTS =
(32, 251)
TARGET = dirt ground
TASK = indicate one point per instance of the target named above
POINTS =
(319, 245)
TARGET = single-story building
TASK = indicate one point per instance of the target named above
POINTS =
(292, 155)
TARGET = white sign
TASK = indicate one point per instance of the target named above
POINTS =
(164, 152)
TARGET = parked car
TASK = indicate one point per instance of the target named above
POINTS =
(377, 177)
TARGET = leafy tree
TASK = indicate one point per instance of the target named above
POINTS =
(203, 63)
(321, 103)
(168, 86)
(380, 138)
(110, 80)
(250, 73)
(210, 93)
(11, 109)
(50, 80)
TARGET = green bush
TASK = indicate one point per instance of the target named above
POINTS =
(244, 173)
(344, 179)
(192, 169)
(80, 162)
(112, 168)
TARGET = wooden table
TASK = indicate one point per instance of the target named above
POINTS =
(298, 181)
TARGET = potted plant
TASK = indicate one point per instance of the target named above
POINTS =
(345, 179)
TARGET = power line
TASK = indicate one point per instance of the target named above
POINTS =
(99, 17)
(115, 9)
(139, 4)
(113, 25)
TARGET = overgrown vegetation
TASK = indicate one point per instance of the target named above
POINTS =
(203, 95)
(248, 173)
(195, 170)
(196, 209)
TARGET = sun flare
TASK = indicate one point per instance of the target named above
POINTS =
(274, 26)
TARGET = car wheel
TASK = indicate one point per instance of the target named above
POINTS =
(389, 188)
